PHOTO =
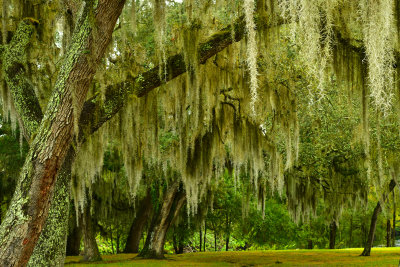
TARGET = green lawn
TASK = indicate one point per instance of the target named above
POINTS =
(322, 257)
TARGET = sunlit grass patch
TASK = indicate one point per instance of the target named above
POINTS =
(317, 257)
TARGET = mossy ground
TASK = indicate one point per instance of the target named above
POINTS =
(320, 257)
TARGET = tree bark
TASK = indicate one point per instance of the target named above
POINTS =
(177, 239)
(136, 230)
(228, 232)
(175, 242)
(91, 250)
(180, 245)
(51, 247)
(25, 102)
(205, 235)
(394, 219)
(371, 235)
(201, 238)
(388, 233)
(29, 207)
(332, 235)
(374, 219)
(215, 241)
(172, 203)
(52, 250)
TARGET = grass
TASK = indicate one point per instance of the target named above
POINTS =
(317, 257)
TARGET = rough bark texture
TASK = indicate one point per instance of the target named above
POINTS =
(136, 230)
(51, 247)
(374, 219)
(91, 252)
(14, 68)
(172, 203)
(332, 235)
(29, 207)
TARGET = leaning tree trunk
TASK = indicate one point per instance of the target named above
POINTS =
(371, 234)
(51, 247)
(29, 207)
(374, 219)
(332, 235)
(136, 230)
(172, 203)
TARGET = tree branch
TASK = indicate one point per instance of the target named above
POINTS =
(95, 113)
(27, 105)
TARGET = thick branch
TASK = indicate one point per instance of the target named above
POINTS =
(25, 101)
(95, 113)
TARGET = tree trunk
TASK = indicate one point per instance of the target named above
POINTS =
(117, 243)
(29, 207)
(111, 241)
(51, 247)
(180, 245)
(201, 238)
(374, 219)
(309, 244)
(205, 235)
(228, 232)
(74, 240)
(394, 219)
(388, 233)
(175, 242)
(215, 241)
(135, 232)
(91, 250)
(332, 235)
(172, 203)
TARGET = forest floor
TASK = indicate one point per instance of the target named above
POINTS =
(317, 257)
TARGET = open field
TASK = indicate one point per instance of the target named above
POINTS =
(322, 257)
